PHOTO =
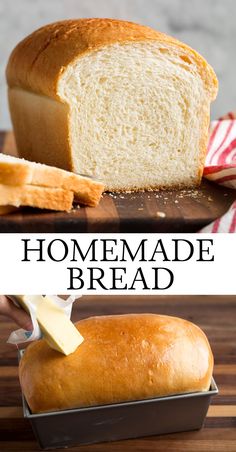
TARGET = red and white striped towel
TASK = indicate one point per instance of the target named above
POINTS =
(226, 223)
(220, 164)
(220, 167)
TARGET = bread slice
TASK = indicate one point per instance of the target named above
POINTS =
(33, 196)
(112, 99)
(15, 171)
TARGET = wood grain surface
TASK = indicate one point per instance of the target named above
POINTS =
(216, 315)
(158, 211)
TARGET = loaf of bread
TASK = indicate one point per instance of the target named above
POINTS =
(114, 100)
(123, 357)
(36, 185)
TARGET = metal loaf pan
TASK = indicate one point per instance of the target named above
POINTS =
(156, 416)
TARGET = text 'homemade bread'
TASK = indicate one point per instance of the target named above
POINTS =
(112, 99)
(123, 357)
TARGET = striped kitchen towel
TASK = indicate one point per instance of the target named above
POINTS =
(220, 167)
(220, 164)
(226, 223)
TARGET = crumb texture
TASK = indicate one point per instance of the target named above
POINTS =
(138, 115)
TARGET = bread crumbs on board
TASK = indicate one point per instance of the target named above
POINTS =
(174, 196)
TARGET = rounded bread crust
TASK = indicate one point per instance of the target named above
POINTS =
(37, 63)
(123, 357)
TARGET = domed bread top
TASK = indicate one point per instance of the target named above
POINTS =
(123, 357)
(38, 62)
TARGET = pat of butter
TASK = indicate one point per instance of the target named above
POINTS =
(58, 330)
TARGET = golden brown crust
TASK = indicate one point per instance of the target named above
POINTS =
(41, 128)
(123, 357)
(38, 61)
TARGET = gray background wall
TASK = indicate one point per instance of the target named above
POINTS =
(206, 25)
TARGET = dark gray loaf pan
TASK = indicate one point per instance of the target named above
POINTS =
(155, 416)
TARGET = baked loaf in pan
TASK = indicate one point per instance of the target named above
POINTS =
(123, 357)
(114, 100)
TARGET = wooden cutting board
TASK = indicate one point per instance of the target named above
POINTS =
(157, 211)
